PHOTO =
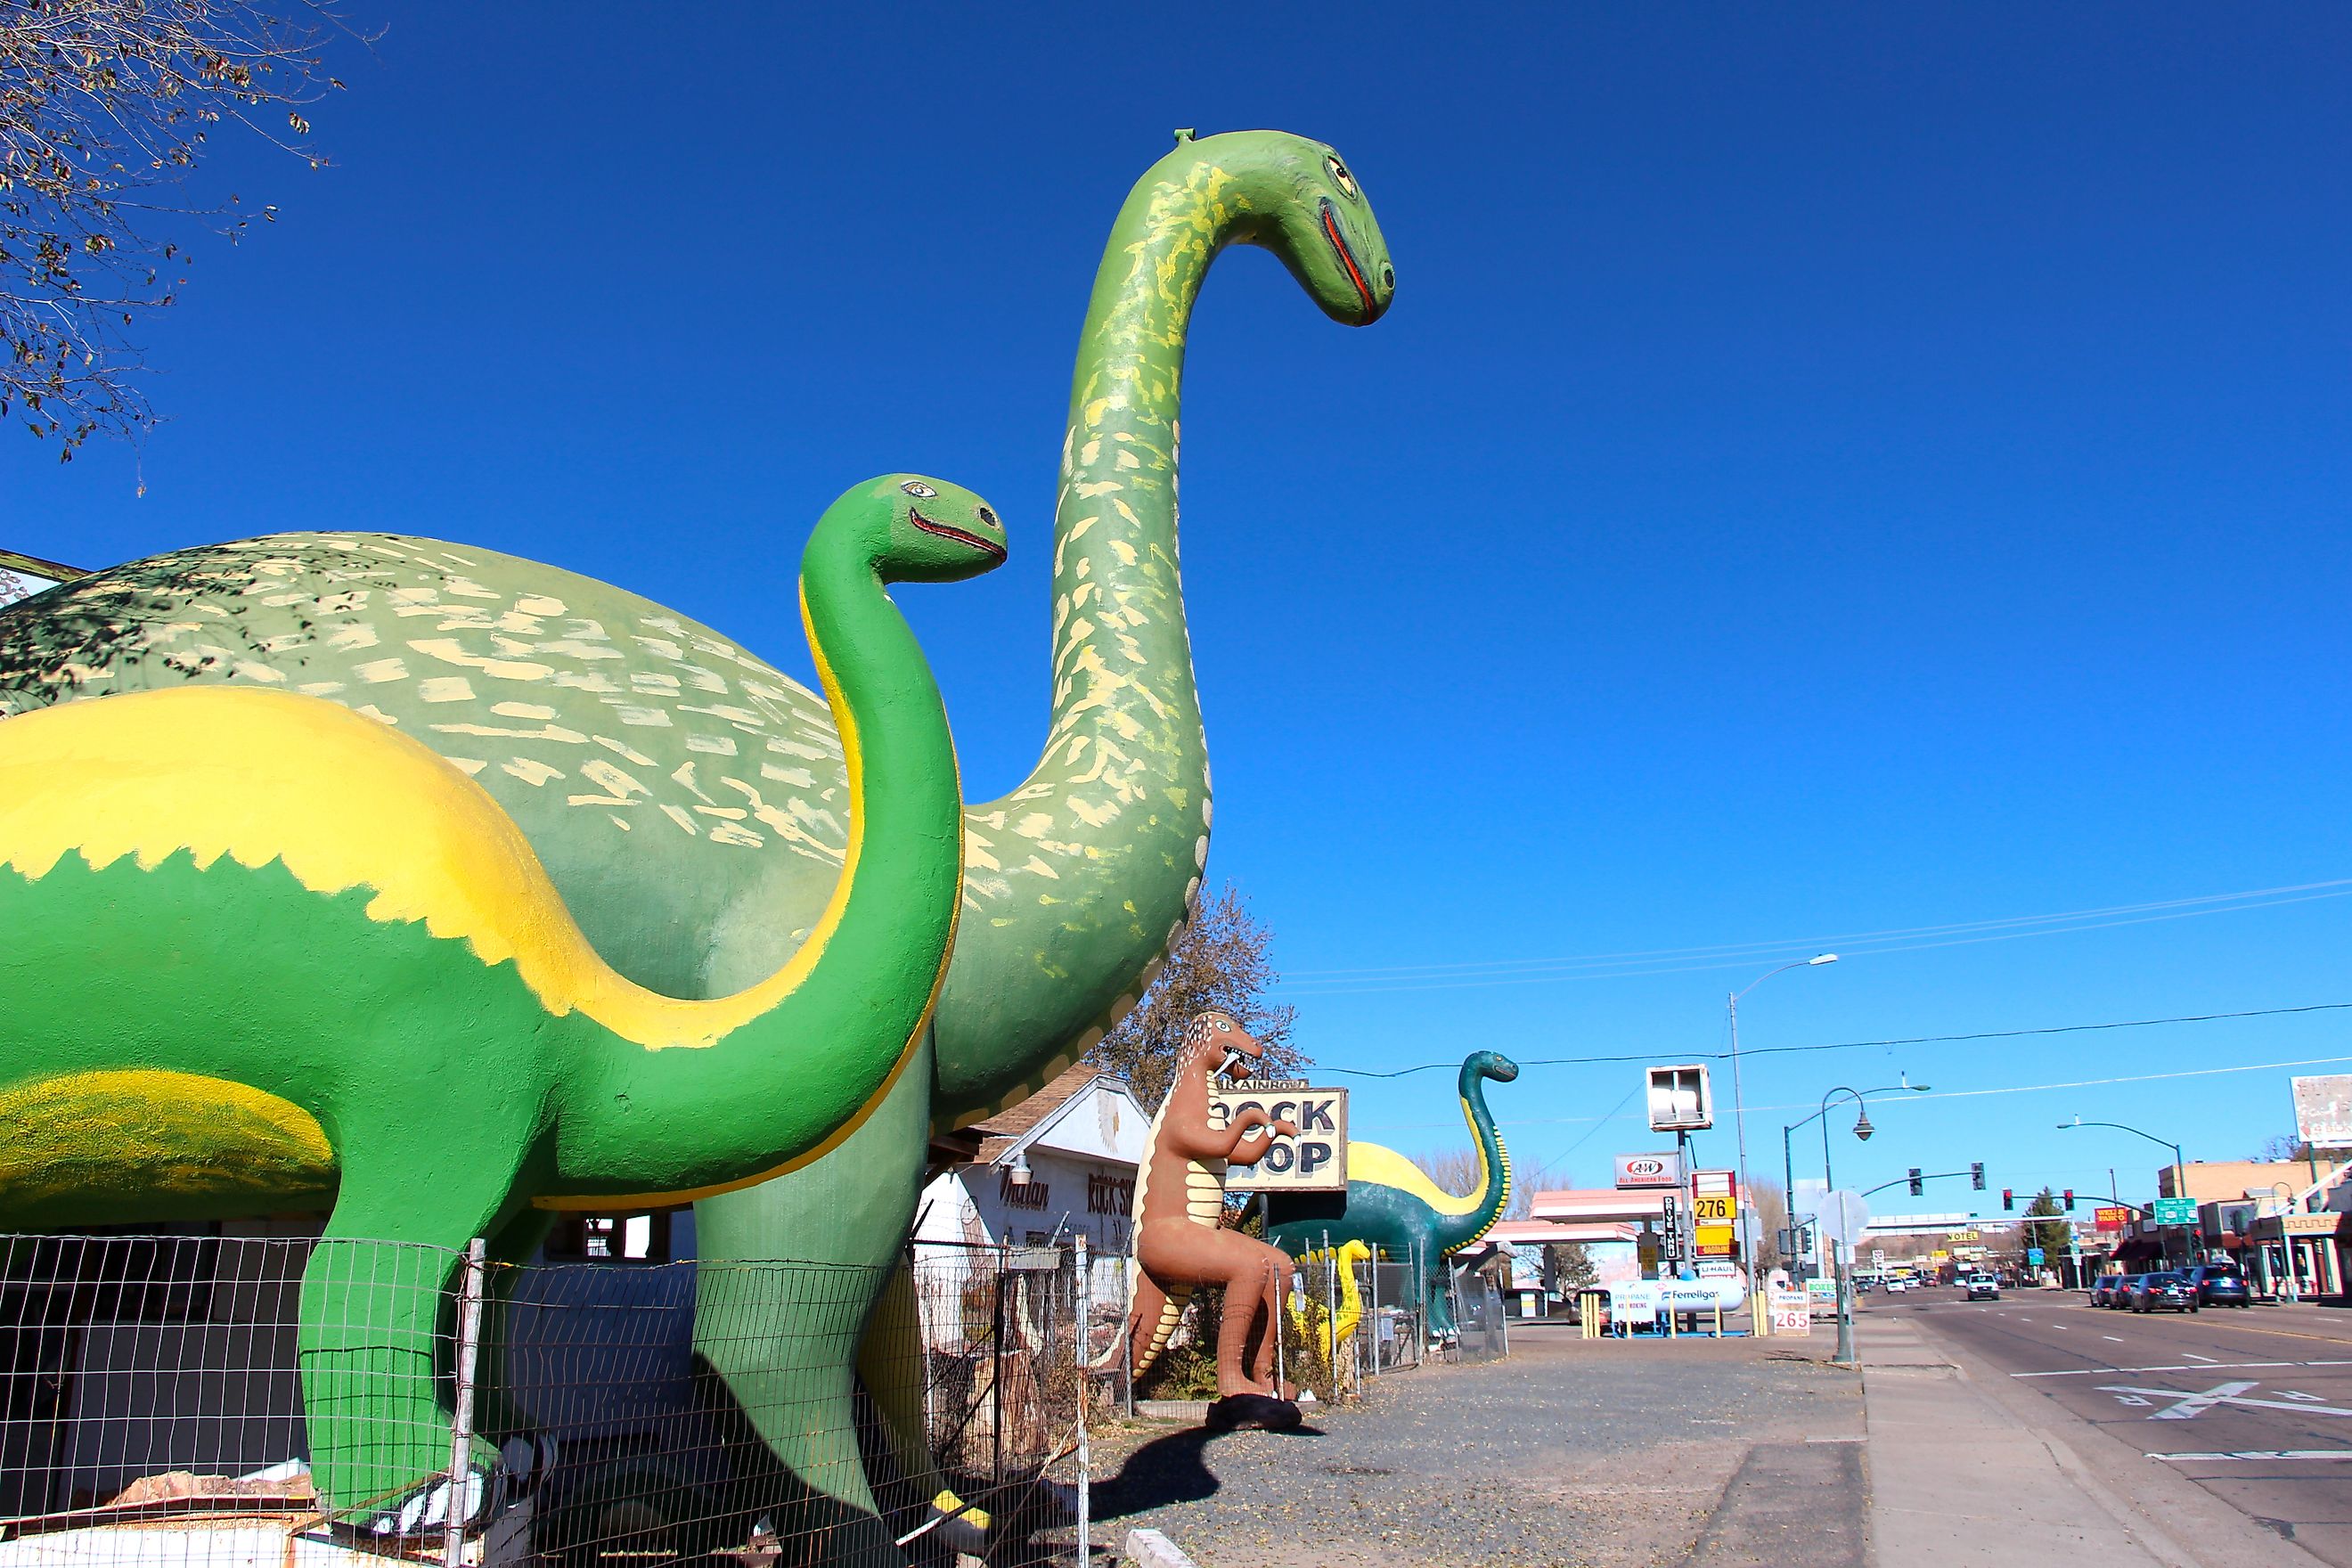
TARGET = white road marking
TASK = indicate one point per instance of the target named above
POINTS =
(2209, 1361)
(2264, 1455)
(2060, 1327)
(2111, 1339)
(2104, 1370)
(2291, 1393)
(2188, 1406)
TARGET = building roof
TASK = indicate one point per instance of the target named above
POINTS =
(1002, 1133)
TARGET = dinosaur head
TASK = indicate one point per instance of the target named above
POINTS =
(917, 528)
(1311, 213)
(1494, 1065)
(1222, 1045)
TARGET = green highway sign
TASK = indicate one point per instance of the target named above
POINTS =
(2175, 1211)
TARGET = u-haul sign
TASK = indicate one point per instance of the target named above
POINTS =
(1314, 1161)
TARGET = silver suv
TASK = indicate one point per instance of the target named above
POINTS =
(1983, 1288)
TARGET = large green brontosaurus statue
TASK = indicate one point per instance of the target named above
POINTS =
(265, 952)
(1391, 1205)
(679, 790)
(1081, 876)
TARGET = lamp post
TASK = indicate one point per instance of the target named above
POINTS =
(2286, 1242)
(1738, 1093)
(1862, 1130)
(2180, 1165)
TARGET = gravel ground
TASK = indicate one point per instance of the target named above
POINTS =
(1604, 1455)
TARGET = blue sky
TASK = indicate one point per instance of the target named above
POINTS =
(1860, 471)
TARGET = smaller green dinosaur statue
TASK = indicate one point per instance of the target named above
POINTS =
(266, 953)
(1392, 1205)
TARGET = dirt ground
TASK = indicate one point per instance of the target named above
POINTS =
(1606, 1454)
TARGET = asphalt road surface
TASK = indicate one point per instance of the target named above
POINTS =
(2253, 1405)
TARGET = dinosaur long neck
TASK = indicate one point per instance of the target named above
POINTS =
(1080, 876)
(827, 1034)
(1455, 1232)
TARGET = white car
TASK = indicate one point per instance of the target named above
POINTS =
(1895, 1286)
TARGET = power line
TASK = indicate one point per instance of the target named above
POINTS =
(1741, 947)
(1875, 1045)
(1479, 974)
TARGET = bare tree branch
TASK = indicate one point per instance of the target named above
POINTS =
(1220, 961)
(106, 107)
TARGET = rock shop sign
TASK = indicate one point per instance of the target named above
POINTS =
(1316, 1160)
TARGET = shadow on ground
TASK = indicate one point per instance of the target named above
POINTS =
(1170, 1469)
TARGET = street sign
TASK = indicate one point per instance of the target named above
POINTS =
(2033, 1257)
(1843, 1213)
(1793, 1311)
(2175, 1211)
(2107, 1217)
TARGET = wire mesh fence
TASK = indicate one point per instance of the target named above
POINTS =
(216, 1400)
(273, 1399)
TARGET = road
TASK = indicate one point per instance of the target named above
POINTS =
(2254, 1405)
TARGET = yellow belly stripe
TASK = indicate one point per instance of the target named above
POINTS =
(343, 802)
(172, 1133)
(1372, 1162)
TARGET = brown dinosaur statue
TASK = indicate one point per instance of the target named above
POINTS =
(1181, 1241)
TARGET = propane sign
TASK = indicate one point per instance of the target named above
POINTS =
(1314, 1161)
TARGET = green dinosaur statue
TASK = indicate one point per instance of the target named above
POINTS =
(266, 952)
(680, 791)
(1081, 876)
(1392, 1205)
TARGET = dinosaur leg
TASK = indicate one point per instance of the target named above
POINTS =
(374, 1329)
(894, 1365)
(1249, 1299)
(1277, 1290)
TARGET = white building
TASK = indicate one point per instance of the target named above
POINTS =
(1059, 1164)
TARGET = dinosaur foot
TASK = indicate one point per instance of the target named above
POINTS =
(496, 1477)
(1251, 1412)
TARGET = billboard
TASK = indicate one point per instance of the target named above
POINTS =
(1679, 1100)
(1636, 1172)
(2323, 1111)
(1314, 1161)
(2110, 1217)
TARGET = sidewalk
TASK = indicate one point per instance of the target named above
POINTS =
(1964, 1470)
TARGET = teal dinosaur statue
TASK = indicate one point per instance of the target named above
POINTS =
(268, 952)
(1392, 1205)
(679, 790)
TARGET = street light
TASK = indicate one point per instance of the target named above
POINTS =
(1739, 1094)
(1862, 1130)
(2180, 1165)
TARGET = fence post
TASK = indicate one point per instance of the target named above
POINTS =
(1086, 1356)
(461, 1430)
(1331, 1314)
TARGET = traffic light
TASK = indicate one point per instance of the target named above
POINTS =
(2070, 1200)
(1918, 1184)
(1976, 1175)
(2008, 1198)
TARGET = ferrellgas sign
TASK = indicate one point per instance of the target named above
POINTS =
(1316, 1160)
(1636, 1172)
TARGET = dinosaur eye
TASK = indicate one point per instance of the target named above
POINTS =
(918, 489)
(989, 518)
(1341, 178)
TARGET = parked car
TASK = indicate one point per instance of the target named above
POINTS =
(2170, 1291)
(2221, 1285)
(2108, 1290)
(1983, 1288)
